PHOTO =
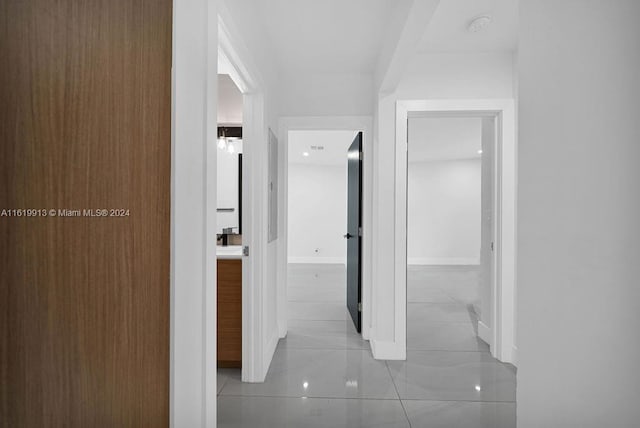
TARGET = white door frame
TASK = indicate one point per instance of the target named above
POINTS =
(329, 123)
(501, 332)
(201, 29)
(235, 59)
(192, 361)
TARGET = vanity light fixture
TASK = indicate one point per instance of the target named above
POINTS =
(228, 136)
(222, 140)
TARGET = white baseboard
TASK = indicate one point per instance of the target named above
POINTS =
(484, 333)
(443, 261)
(388, 350)
(319, 260)
(269, 350)
(282, 329)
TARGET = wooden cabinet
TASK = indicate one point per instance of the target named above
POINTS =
(229, 312)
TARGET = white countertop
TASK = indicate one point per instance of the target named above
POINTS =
(229, 252)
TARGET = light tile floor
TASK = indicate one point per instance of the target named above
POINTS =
(323, 374)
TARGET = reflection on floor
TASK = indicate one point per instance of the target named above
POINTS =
(323, 374)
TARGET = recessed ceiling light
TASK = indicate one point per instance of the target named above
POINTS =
(479, 23)
(305, 154)
(480, 151)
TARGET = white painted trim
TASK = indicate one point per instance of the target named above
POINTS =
(192, 400)
(388, 350)
(254, 272)
(437, 261)
(503, 305)
(256, 347)
(485, 333)
(362, 123)
(318, 260)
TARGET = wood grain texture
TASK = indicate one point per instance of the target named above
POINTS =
(85, 122)
(229, 313)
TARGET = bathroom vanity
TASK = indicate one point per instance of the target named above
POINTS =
(229, 262)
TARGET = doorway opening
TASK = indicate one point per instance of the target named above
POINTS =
(229, 217)
(242, 159)
(449, 200)
(451, 262)
(324, 283)
(496, 326)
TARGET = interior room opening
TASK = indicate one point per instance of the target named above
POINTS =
(229, 217)
(444, 218)
(450, 255)
(317, 248)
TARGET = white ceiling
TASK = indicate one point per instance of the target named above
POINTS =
(335, 145)
(327, 36)
(447, 31)
(444, 138)
(229, 101)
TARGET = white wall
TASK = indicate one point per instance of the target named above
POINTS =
(317, 213)
(329, 94)
(229, 101)
(579, 205)
(444, 212)
(456, 75)
(429, 76)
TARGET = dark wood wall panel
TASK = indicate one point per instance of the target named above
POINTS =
(85, 123)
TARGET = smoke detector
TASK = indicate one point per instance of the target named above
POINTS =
(479, 23)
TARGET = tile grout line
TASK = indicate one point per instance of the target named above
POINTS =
(323, 397)
(395, 387)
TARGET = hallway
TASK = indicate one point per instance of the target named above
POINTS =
(323, 374)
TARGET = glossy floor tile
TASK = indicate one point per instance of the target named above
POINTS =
(460, 414)
(311, 334)
(323, 373)
(460, 283)
(423, 314)
(454, 376)
(278, 412)
(444, 337)
(222, 376)
(318, 293)
(321, 311)
(320, 373)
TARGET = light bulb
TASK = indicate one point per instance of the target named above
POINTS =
(221, 143)
(231, 149)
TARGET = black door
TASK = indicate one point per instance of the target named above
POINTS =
(354, 227)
